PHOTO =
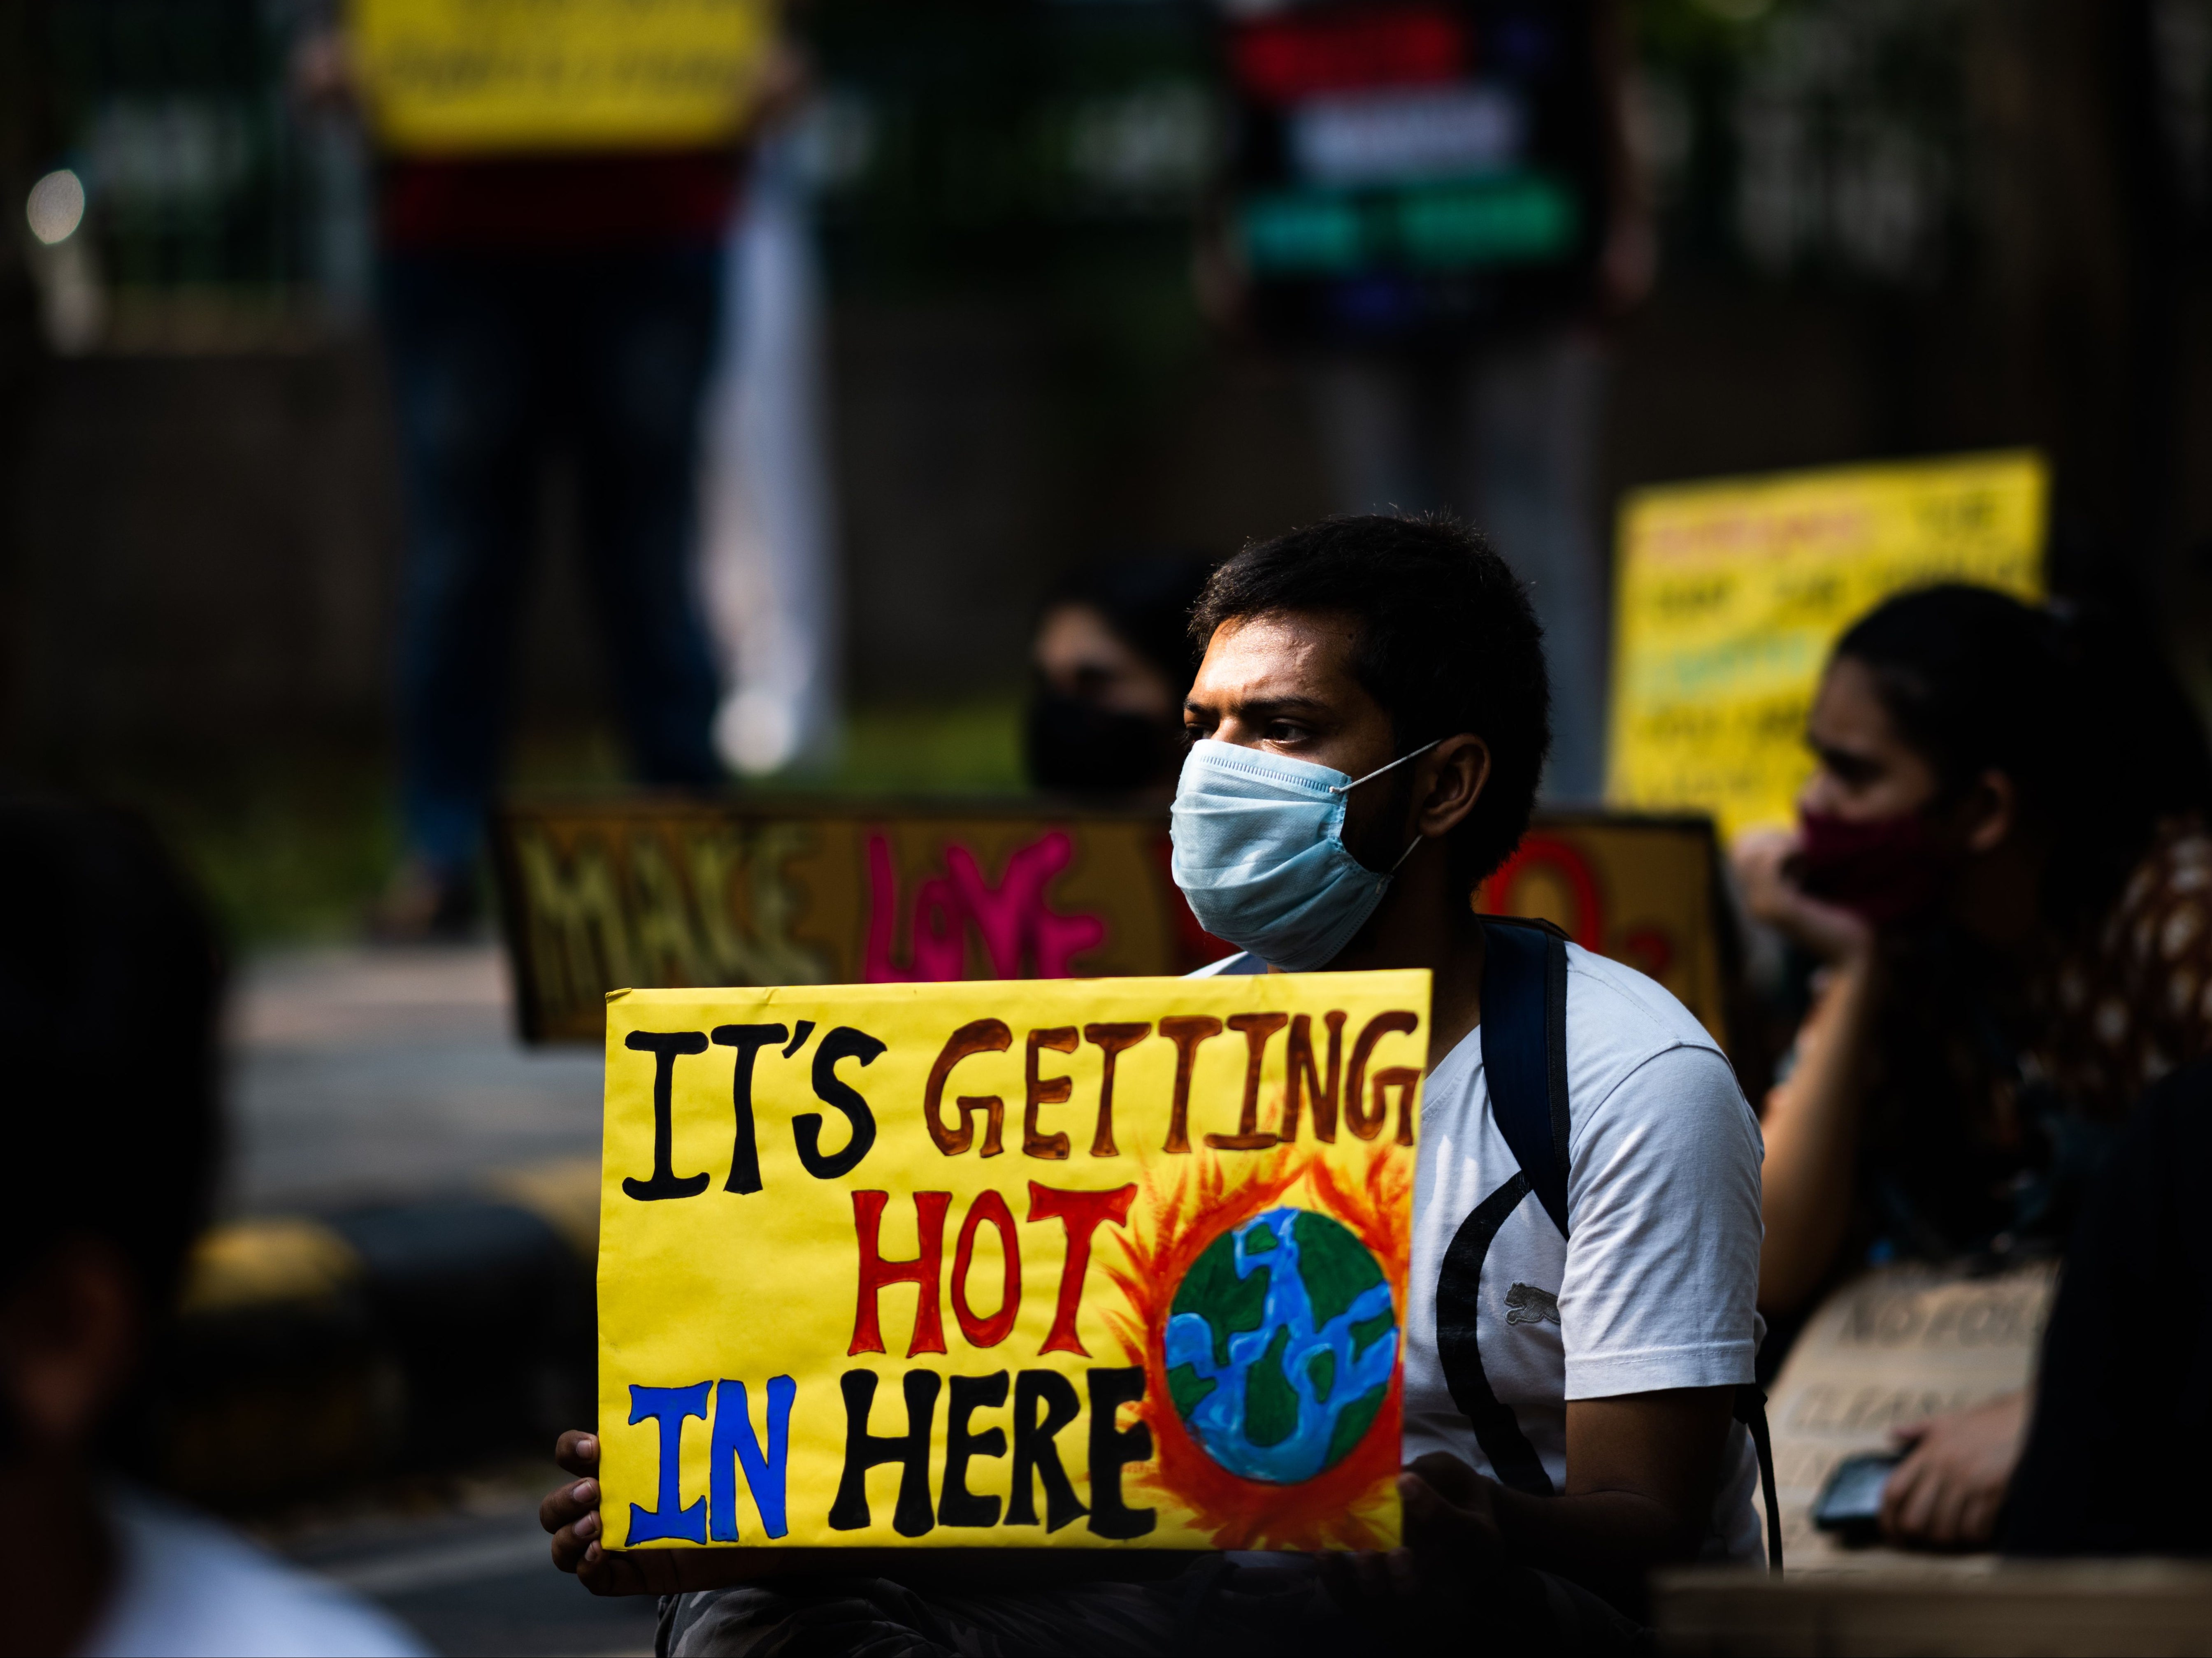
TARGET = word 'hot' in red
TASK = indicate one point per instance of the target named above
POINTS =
(1080, 1214)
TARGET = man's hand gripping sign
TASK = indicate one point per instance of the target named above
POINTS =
(1077, 1263)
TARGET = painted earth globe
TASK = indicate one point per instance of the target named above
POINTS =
(1279, 1346)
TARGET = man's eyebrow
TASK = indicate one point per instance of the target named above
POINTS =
(1262, 706)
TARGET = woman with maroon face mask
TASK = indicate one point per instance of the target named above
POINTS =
(2002, 870)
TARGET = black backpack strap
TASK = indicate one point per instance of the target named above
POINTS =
(1459, 1344)
(1524, 1058)
(1751, 1411)
(1525, 1051)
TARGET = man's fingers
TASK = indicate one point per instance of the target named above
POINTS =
(603, 1573)
(1444, 1474)
(571, 1545)
(1405, 1573)
(1432, 1523)
(1423, 1504)
(578, 1451)
(565, 1504)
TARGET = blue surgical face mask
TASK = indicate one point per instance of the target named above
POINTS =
(1259, 854)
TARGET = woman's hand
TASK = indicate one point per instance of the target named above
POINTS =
(1762, 858)
(1947, 1492)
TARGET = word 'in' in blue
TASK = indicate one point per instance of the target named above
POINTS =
(733, 1442)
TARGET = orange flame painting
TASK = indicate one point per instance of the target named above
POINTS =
(1187, 1211)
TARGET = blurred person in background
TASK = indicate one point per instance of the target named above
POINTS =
(110, 985)
(1113, 660)
(768, 535)
(2119, 1449)
(533, 305)
(1455, 361)
(2001, 867)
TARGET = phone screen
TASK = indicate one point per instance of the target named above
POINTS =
(1852, 1501)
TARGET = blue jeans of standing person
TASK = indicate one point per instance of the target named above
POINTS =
(499, 360)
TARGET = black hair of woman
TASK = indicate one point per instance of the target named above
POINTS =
(2079, 711)
(1113, 660)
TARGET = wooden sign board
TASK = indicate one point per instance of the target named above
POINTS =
(1962, 1607)
(1115, 1264)
(648, 893)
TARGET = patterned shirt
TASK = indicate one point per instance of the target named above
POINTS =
(2133, 1001)
(1992, 1098)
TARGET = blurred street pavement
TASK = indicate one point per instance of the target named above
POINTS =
(376, 1075)
(465, 1565)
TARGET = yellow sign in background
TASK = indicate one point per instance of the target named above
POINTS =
(461, 76)
(1102, 1263)
(1729, 595)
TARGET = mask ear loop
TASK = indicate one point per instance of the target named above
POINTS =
(1347, 788)
(1383, 880)
(1402, 857)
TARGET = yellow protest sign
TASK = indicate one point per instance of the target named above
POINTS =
(1730, 594)
(461, 76)
(1107, 1263)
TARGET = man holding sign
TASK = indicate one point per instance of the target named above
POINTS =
(1211, 1246)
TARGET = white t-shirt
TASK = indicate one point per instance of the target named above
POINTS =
(186, 1586)
(1657, 1288)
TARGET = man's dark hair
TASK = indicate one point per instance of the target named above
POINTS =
(1447, 643)
(110, 985)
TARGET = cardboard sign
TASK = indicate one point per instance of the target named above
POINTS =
(665, 893)
(1730, 594)
(1111, 1264)
(1900, 1344)
(463, 76)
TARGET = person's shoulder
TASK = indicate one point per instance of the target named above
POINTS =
(190, 1586)
(1625, 1028)
(2173, 875)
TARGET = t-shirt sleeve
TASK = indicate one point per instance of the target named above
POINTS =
(1662, 1254)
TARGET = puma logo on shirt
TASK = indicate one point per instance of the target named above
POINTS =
(1526, 1304)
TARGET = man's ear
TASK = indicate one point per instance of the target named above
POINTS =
(1991, 811)
(1454, 771)
(70, 1337)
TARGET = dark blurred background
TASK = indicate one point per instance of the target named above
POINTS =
(1888, 227)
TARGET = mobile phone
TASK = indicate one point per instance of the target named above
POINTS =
(1850, 1504)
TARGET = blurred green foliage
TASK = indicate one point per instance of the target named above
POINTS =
(293, 847)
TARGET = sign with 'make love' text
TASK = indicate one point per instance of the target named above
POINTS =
(1084, 1263)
